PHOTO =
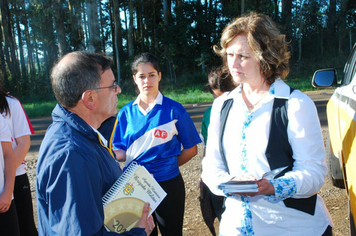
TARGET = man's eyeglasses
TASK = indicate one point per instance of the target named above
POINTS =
(115, 86)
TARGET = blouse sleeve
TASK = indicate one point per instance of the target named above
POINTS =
(305, 137)
(5, 135)
(20, 122)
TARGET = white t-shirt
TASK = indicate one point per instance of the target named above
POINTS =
(5, 136)
(19, 125)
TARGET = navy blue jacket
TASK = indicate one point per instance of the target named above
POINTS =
(74, 171)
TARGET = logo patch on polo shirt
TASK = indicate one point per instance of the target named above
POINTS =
(161, 134)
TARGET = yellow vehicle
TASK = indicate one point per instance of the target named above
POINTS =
(341, 116)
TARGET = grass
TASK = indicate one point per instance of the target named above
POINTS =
(184, 95)
(39, 109)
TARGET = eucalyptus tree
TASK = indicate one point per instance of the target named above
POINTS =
(76, 29)
(27, 9)
(9, 40)
(2, 61)
(117, 42)
(130, 32)
(94, 44)
(59, 20)
(17, 16)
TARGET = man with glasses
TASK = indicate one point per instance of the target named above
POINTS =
(76, 166)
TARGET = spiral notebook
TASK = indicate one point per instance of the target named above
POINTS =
(124, 201)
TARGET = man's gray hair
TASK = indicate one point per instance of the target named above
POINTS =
(75, 73)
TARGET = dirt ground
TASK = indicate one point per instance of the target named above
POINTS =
(335, 198)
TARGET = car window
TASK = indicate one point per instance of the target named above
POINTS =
(350, 68)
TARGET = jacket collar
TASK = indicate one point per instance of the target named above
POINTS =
(61, 114)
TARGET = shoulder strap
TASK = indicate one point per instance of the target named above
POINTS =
(223, 117)
(278, 143)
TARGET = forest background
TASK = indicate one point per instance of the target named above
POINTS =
(181, 33)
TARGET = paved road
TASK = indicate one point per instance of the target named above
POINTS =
(196, 112)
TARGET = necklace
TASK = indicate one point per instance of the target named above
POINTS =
(250, 105)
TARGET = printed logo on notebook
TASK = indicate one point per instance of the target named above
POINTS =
(161, 134)
(128, 190)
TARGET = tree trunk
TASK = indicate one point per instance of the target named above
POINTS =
(286, 18)
(117, 43)
(331, 36)
(37, 59)
(30, 61)
(76, 27)
(276, 11)
(167, 12)
(102, 31)
(342, 24)
(126, 27)
(300, 34)
(130, 31)
(10, 46)
(48, 41)
(5, 79)
(60, 30)
(154, 27)
(20, 47)
(94, 32)
(140, 24)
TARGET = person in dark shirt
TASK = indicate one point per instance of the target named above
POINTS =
(76, 166)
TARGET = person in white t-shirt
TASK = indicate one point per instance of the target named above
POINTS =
(8, 217)
(20, 130)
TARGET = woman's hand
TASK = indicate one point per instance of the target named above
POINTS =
(264, 188)
(9, 174)
(145, 221)
(5, 202)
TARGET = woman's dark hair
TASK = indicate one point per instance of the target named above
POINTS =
(4, 105)
(220, 79)
(144, 58)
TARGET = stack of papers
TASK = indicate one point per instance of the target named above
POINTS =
(247, 186)
(239, 186)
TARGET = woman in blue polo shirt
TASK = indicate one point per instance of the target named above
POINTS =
(151, 130)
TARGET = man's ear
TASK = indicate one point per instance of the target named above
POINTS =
(88, 99)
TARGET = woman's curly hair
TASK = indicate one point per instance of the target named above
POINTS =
(269, 46)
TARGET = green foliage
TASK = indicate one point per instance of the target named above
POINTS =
(123, 99)
(39, 109)
(306, 68)
(302, 84)
(190, 88)
(191, 95)
(185, 80)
